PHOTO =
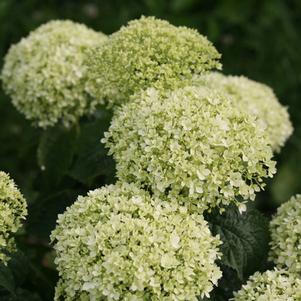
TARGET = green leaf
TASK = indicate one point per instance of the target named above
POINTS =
(286, 183)
(7, 281)
(245, 239)
(92, 160)
(25, 295)
(19, 266)
(182, 5)
(55, 151)
(43, 213)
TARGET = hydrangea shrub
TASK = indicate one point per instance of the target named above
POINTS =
(256, 99)
(285, 230)
(118, 243)
(45, 73)
(192, 145)
(270, 286)
(148, 52)
(13, 210)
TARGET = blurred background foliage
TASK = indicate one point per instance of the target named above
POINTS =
(257, 38)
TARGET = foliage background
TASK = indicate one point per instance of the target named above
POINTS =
(258, 38)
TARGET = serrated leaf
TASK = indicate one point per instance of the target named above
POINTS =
(92, 159)
(245, 239)
(55, 151)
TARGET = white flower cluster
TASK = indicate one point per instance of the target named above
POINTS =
(13, 210)
(45, 73)
(255, 99)
(119, 243)
(192, 144)
(275, 285)
(286, 235)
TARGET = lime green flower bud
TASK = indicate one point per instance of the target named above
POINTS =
(148, 53)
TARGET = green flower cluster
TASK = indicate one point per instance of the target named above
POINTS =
(148, 53)
(184, 141)
(192, 144)
(45, 73)
(285, 230)
(256, 99)
(12, 212)
(275, 285)
(119, 243)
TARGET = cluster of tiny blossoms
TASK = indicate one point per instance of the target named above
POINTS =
(148, 53)
(188, 138)
(118, 243)
(275, 285)
(285, 230)
(192, 144)
(256, 99)
(12, 212)
(45, 73)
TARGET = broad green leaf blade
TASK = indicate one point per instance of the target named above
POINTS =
(55, 151)
(19, 266)
(43, 213)
(25, 295)
(245, 239)
(91, 159)
(285, 183)
(7, 281)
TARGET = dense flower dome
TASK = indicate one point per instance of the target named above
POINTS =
(192, 145)
(285, 230)
(13, 210)
(256, 99)
(275, 285)
(118, 243)
(45, 73)
(148, 53)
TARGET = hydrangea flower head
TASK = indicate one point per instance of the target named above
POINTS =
(192, 144)
(148, 53)
(13, 210)
(256, 99)
(45, 73)
(274, 285)
(118, 243)
(285, 230)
